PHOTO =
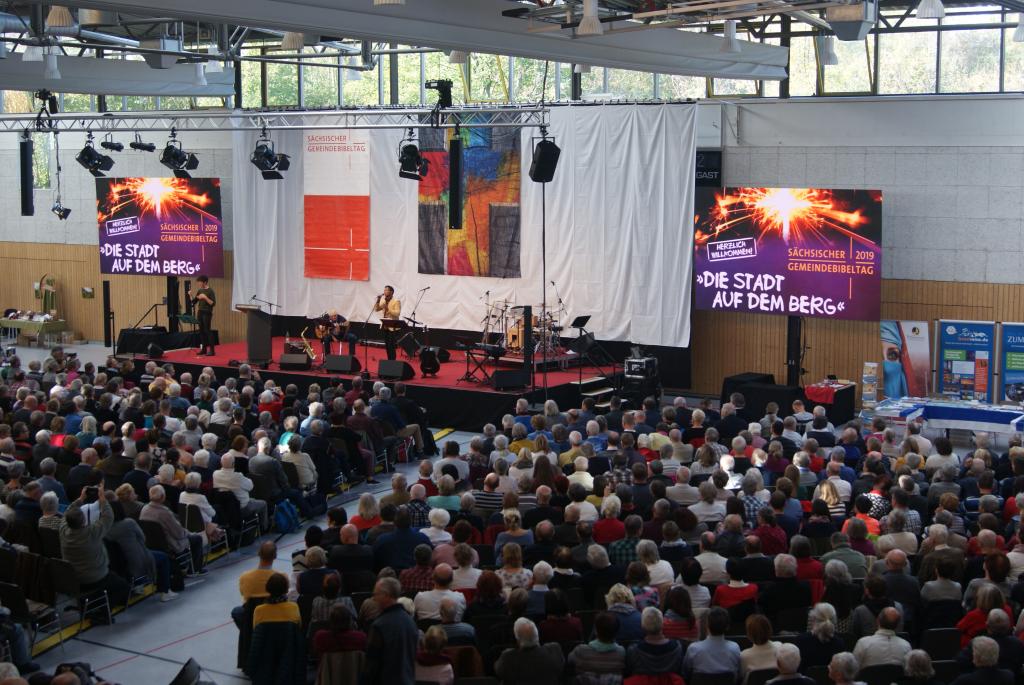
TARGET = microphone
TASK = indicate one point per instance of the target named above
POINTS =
(423, 290)
(253, 297)
(552, 282)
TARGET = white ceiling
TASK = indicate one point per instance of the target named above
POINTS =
(478, 26)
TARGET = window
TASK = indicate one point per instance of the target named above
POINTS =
(179, 103)
(727, 86)
(19, 102)
(631, 85)
(251, 81)
(1013, 80)
(970, 58)
(489, 78)
(138, 103)
(906, 61)
(362, 89)
(41, 159)
(593, 80)
(320, 84)
(853, 73)
(282, 84)
(76, 102)
(529, 77)
(409, 78)
(803, 67)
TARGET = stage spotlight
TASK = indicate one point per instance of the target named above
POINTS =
(444, 92)
(177, 160)
(137, 144)
(269, 163)
(411, 163)
(60, 211)
(94, 161)
(110, 144)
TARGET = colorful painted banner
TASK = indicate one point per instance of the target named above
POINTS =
(907, 359)
(790, 251)
(1011, 354)
(160, 226)
(966, 354)
(336, 204)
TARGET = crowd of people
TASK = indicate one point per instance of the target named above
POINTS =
(659, 544)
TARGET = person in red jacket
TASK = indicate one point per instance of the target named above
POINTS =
(736, 591)
(773, 538)
(988, 597)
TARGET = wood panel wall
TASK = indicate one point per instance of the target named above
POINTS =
(722, 343)
(78, 266)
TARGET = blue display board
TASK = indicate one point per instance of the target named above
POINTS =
(1011, 356)
(966, 358)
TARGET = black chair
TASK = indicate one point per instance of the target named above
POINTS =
(229, 515)
(761, 677)
(941, 643)
(189, 674)
(946, 671)
(577, 599)
(192, 521)
(742, 641)
(49, 540)
(292, 473)
(65, 583)
(305, 603)
(486, 553)
(819, 674)
(882, 674)
(945, 613)
(359, 597)
(792, 619)
(712, 679)
(34, 615)
(587, 618)
(8, 564)
(156, 539)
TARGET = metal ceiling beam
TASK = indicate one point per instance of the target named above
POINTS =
(461, 117)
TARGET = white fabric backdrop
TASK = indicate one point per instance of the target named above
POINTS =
(619, 230)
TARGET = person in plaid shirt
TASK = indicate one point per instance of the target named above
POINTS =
(420, 577)
(419, 510)
(751, 502)
(623, 552)
(620, 473)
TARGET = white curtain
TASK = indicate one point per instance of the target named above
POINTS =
(619, 230)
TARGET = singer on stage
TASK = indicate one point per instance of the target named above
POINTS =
(205, 299)
(390, 308)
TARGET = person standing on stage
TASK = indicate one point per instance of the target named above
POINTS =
(390, 308)
(334, 321)
(205, 299)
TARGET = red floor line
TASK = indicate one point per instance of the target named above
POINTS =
(118, 662)
(189, 637)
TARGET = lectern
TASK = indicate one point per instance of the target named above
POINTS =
(257, 334)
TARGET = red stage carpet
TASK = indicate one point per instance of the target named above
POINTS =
(447, 377)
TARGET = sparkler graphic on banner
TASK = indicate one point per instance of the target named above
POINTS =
(164, 198)
(797, 214)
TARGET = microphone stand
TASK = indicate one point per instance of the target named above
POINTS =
(366, 345)
(269, 304)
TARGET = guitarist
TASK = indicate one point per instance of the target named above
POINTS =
(332, 327)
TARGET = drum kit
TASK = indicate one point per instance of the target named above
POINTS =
(505, 325)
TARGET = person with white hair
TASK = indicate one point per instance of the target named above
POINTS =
(542, 575)
(193, 496)
(50, 505)
(302, 461)
(580, 475)
(821, 641)
(222, 412)
(843, 669)
(575, 448)
(654, 654)
(178, 539)
(787, 659)
(436, 533)
(529, 661)
(227, 479)
(985, 657)
(387, 412)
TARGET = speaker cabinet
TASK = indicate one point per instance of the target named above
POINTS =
(154, 351)
(545, 160)
(507, 379)
(455, 184)
(342, 363)
(28, 207)
(294, 362)
(395, 370)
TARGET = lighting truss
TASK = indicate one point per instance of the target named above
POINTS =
(531, 116)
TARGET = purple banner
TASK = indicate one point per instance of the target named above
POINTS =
(790, 251)
(160, 226)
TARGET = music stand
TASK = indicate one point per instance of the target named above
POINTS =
(587, 347)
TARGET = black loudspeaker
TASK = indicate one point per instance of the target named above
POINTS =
(108, 317)
(395, 370)
(409, 345)
(545, 160)
(455, 183)
(443, 355)
(342, 363)
(28, 205)
(155, 351)
(506, 379)
(527, 337)
(294, 362)
(173, 308)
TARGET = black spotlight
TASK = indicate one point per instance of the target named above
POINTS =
(176, 159)
(110, 144)
(269, 163)
(411, 163)
(137, 144)
(93, 160)
(60, 211)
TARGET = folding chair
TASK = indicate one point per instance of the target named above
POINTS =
(762, 676)
(156, 539)
(229, 515)
(65, 583)
(37, 616)
(292, 473)
(941, 642)
(192, 521)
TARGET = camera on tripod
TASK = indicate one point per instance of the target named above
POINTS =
(444, 91)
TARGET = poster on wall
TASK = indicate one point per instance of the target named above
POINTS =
(1012, 358)
(790, 251)
(966, 353)
(906, 358)
(160, 226)
(488, 243)
(336, 204)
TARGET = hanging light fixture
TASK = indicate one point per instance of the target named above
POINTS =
(581, 68)
(729, 43)
(353, 74)
(590, 24)
(33, 53)
(827, 50)
(930, 9)
(458, 57)
(51, 71)
(1018, 33)
(59, 16)
(200, 76)
(293, 41)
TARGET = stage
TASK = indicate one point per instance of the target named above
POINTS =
(451, 402)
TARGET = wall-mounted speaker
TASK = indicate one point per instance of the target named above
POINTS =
(545, 160)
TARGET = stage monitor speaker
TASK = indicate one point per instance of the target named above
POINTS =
(545, 160)
(342, 363)
(395, 370)
(455, 184)
(507, 379)
(409, 345)
(154, 351)
(294, 362)
(28, 206)
(443, 355)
